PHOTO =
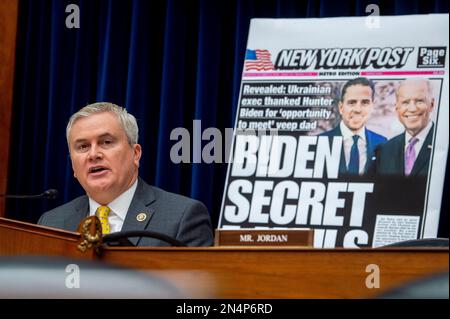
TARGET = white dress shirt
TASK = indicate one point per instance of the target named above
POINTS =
(119, 208)
(347, 136)
(420, 137)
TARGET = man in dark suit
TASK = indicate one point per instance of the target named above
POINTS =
(359, 143)
(408, 154)
(105, 154)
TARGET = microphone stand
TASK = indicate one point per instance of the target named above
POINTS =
(48, 194)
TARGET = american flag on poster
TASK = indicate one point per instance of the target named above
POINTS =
(258, 60)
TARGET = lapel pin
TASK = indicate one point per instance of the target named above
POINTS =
(141, 217)
(430, 146)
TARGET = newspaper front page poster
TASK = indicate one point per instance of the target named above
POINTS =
(342, 127)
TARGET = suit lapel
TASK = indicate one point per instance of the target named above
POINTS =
(369, 150)
(342, 163)
(424, 154)
(80, 211)
(399, 166)
(140, 207)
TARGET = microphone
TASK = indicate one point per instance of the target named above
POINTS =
(48, 194)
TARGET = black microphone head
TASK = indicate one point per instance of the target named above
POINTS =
(50, 194)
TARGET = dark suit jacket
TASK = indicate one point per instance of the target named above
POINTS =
(390, 157)
(372, 139)
(174, 215)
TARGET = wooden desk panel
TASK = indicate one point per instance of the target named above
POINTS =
(20, 238)
(241, 272)
(287, 272)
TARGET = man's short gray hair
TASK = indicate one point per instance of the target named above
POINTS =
(127, 120)
(411, 80)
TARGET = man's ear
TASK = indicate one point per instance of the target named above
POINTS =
(137, 153)
(71, 163)
(340, 106)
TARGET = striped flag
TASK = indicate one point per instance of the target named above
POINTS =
(258, 60)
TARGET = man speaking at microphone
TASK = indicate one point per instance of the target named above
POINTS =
(104, 150)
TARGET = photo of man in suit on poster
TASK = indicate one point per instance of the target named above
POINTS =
(408, 154)
(359, 143)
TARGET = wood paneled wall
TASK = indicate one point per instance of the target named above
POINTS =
(8, 30)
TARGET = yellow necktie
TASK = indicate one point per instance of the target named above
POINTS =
(102, 213)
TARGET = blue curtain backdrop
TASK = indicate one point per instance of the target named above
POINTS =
(169, 62)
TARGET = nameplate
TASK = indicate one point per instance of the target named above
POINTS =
(264, 237)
